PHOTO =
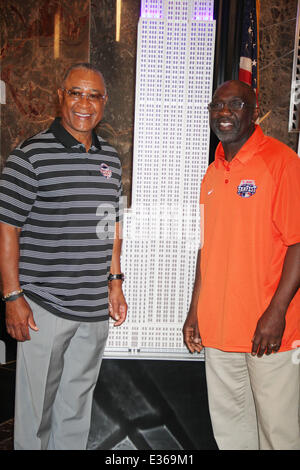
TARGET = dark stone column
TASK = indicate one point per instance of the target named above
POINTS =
(32, 33)
(277, 36)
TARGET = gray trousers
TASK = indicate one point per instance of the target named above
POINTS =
(57, 371)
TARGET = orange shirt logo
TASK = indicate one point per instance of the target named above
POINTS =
(246, 188)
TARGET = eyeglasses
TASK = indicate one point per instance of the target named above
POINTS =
(78, 95)
(234, 105)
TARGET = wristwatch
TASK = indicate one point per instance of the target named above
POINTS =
(112, 277)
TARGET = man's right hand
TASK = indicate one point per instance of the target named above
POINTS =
(19, 318)
(190, 331)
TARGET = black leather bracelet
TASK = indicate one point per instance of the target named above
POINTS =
(112, 277)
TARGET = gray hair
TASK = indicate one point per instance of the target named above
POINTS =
(82, 65)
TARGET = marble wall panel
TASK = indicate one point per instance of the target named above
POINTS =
(277, 35)
(40, 40)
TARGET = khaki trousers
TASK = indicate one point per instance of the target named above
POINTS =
(254, 402)
(57, 371)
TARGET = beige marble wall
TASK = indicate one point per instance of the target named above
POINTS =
(40, 39)
(277, 35)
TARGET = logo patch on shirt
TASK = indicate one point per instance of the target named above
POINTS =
(246, 188)
(105, 170)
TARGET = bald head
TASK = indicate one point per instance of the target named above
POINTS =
(241, 88)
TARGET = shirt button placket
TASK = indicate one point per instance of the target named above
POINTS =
(227, 174)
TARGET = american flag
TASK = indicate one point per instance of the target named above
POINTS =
(248, 71)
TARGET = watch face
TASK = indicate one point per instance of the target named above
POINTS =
(111, 277)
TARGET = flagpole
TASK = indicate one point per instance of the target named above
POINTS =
(258, 43)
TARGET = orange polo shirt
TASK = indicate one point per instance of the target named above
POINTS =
(251, 215)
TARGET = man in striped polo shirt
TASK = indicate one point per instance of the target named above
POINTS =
(60, 264)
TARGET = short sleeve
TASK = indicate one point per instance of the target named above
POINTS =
(286, 206)
(18, 189)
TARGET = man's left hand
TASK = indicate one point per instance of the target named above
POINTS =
(117, 304)
(269, 331)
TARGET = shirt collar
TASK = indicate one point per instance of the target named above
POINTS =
(66, 138)
(246, 152)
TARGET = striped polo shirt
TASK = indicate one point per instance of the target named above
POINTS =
(66, 202)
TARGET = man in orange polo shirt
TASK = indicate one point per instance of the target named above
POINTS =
(245, 307)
